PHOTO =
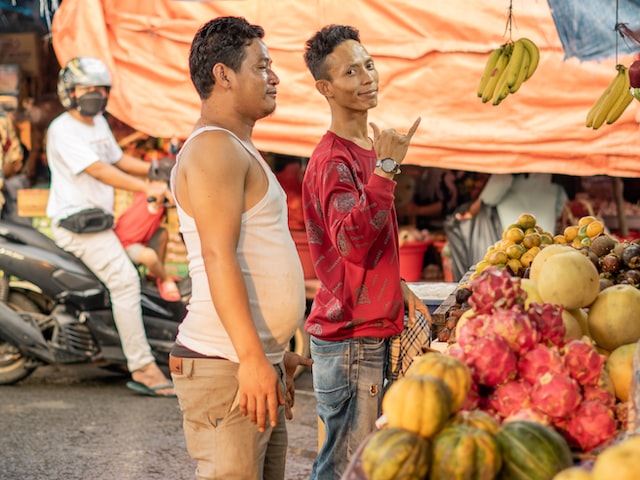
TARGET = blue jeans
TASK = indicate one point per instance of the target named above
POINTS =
(348, 379)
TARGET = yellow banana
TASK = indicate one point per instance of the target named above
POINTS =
(524, 68)
(622, 102)
(496, 73)
(515, 62)
(534, 56)
(598, 103)
(488, 69)
(612, 95)
(502, 87)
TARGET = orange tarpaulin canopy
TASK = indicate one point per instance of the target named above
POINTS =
(430, 56)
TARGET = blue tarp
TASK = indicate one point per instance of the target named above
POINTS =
(587, 27)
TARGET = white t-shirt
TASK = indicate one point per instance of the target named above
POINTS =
(271, 269)
(534, 193)
(71, 147)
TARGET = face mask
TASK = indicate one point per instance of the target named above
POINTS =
(91, 104)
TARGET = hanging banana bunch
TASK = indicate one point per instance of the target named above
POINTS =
(613, 101)
(507, 68)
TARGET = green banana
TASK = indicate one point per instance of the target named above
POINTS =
(622, 102)
(488, 69)
(613, 94)
(515, 62)
(534, 56)
(496, 73)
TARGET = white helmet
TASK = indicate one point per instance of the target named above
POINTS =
(83, 72)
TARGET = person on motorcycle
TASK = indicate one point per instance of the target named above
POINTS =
(86, 166)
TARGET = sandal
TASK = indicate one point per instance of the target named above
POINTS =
(168, 290)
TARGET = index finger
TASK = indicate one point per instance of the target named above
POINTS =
(414, 127)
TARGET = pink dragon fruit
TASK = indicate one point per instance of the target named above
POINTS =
(598, 394)
(548, 318)
(510, 397)
(456, 351)
(495, 288)
(472, 400)
(529, 414)
(539, 360)
(556, 394)
(592, 425)
(471, 329)
(514, 327)
(491, 361)
(583, 362)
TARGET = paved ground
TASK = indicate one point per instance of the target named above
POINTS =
(80, 422)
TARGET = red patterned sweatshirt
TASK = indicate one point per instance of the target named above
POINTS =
(352, 230)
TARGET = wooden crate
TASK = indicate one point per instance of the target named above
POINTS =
(441, 313)
(32, 202)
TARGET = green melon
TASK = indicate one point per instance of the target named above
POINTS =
(395, 453)
(532, 451)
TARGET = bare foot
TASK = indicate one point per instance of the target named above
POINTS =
(151, 376)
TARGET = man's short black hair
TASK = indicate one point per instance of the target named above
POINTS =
(221, 40)
(322, 44)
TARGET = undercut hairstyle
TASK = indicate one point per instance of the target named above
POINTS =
(221, 40)
(322, 44)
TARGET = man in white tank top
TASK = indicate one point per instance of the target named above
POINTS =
(229, 361)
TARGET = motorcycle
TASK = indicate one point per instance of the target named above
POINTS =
(54, 310)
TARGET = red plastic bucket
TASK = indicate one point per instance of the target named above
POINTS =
(412, 259)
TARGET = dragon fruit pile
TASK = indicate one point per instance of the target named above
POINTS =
(524, 368)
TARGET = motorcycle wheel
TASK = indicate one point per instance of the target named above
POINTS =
(13, 365)
(300, 344)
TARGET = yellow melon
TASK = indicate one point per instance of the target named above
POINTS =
(619, 462)
(569, 279)
(571, 324)
(619, 367)
(543, 255)
(614, 318)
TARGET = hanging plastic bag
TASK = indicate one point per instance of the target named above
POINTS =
(470, 238)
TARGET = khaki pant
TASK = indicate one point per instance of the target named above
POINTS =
(103, 253)
(226, 445)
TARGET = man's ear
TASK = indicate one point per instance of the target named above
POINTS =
(219, 73)
(325, 88)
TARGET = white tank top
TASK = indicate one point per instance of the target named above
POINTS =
(271, 268)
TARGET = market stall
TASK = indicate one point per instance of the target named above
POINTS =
(534, 373)
(430, 56)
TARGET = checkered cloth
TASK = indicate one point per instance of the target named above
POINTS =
(413, 341)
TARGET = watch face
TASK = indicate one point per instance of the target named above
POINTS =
(389, 165)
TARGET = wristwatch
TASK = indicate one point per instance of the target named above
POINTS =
(388, 165)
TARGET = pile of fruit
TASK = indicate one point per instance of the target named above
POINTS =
(617, 262)
(429, 435)
(530, 387)
(530, 359)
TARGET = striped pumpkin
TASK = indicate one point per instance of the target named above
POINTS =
(395, 453)
(463, 451)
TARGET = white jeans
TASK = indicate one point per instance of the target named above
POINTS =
(102, 252)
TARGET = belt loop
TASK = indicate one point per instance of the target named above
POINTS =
(191, 362)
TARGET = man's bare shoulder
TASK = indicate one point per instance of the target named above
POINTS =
(218, 146)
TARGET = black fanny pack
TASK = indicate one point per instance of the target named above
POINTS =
(91, 220)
